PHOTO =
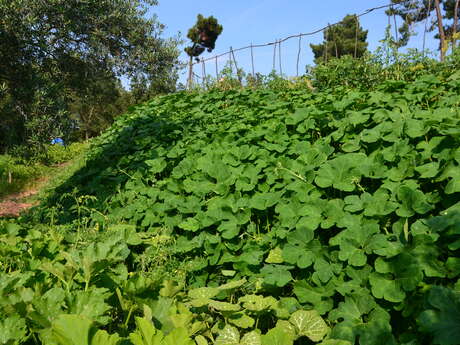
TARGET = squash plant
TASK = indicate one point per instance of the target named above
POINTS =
(253, 217)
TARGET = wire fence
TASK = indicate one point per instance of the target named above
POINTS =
(277, 50)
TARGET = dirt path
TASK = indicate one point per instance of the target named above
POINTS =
(12, 205)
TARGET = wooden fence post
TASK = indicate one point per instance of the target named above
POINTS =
(298, 55)
(190, 73)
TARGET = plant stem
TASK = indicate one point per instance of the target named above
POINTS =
(129, 316)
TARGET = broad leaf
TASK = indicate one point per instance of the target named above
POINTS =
(228, 336)
(277, 336)
(442, 319)
(342, 173)
(308, 323)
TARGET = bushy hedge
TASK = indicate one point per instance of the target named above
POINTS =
(371, 70)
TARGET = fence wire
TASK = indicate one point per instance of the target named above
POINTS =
(277, 46)
(292, 36)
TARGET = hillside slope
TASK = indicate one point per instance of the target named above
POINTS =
(323, 207)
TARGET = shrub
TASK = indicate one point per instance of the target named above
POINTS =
(14, 175)
(57, 154)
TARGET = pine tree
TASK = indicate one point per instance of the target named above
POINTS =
(452, 12)
(203, 36)
(345, 38)
(414, 11)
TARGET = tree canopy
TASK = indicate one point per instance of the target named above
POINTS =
(345, 38)
(203, 35)
(445, 21)
(53, 51)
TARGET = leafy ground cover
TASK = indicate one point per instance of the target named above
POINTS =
(251, 217)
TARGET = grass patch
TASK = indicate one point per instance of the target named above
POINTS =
(17, 174)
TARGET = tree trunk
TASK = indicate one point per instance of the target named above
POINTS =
(442, 36)
(454, 31)
(87, 122)
(190, 73)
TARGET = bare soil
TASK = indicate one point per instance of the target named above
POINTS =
(13, 204)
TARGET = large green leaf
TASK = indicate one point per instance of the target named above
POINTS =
(442, 319)
(299, 115)
(277, 275)
(263, 201)
(354, 308)
(258, 303)
(371, 324)
(72, 330)
(190, 224)
(102, 337)
(234, 284)
(395, 276)
(275, 256)
(146, 333)
(317, 297)
(79, 330)
(277, 336)
(13, 330)
(413, 201)
(228, 336)
(241, 320)
(354, 242)
(179, 336)
(91, 303)
(203, 292)
(251, 338)
(223, 306)
(342, 173)
(310, 324)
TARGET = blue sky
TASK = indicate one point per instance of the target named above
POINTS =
(263, 21)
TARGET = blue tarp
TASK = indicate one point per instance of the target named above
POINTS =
(57, 141)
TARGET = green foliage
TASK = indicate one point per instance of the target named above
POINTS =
(57, 54)
(346, 71)
(56, 154)
(345, 38)
(414, 11)
(95, 106)
(16, 172)
(230, 79)
(386, 63)
(442, 319)
(78, 330)
(266, 216)
(204, 33)
(15, 175)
